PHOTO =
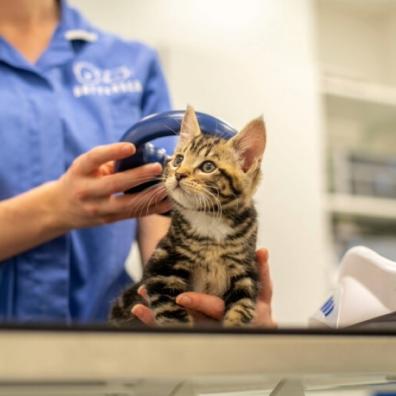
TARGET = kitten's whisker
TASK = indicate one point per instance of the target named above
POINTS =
(208, 205)
(138, 205)
(142, 204)
(204, 201)
(197, 197)
(142, 180)
(147, 178)
(170, 129)
(200, 201)
(216, 202)
(154, 196)
(146, 204)
(209, 201)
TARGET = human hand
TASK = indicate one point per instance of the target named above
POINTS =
(88, 193)
(205, 306)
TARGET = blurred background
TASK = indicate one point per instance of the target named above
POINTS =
(323, 74)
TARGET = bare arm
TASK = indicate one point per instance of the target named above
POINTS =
(28, 220)
(85, 196)
(151, 229)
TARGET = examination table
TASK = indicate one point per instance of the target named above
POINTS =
(61, 361)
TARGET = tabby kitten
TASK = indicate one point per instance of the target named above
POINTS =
(210, 246)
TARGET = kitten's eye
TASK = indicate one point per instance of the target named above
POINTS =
(207, 166)
(178, 160)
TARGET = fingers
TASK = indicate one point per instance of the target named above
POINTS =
(144, 314)
(262, 255)
(137, 205)
(263, 308)
(108, 168)
(263, 316)
(208, 305)
(264, 276)
(88, 190)
(160, 208)
(142, 291)
(91, 161)
(122, 181)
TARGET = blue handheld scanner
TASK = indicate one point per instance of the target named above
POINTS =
(160, 125)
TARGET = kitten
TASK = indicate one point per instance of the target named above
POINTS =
(210, 246)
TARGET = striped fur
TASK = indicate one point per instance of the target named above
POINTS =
(210, 246)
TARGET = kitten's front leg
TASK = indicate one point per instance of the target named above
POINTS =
(240, 302)
(162, 292)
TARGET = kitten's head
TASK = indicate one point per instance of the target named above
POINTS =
(208, 173)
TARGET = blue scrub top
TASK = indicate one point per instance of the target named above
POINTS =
(85, 90)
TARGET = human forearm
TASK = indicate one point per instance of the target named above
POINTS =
(87, 195)
(151, 230)
(28, 220)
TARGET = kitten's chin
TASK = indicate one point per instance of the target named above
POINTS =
(182, 198)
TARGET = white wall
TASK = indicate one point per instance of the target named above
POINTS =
(237, 59)
(358, 39)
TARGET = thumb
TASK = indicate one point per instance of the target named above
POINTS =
(265, 294)
(206, 304)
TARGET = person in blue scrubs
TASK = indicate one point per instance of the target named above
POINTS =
(68, 91)
(65, 88)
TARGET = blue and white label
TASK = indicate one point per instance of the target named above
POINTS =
(328, 307)
(327, 315)
(93, 80)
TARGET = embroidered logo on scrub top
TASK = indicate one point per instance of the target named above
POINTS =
(95, 81)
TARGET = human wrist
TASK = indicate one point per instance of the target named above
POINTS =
(55, 211)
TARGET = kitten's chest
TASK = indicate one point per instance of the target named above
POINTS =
(210, 275)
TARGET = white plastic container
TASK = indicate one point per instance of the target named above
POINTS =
(366, 290)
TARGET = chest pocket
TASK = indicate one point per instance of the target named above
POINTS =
(125, 111)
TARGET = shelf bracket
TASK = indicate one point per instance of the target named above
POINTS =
(184, 389)
(288, 387)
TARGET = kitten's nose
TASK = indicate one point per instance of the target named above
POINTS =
(180, 176)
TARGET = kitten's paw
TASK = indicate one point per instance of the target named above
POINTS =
(178, 325)
(235, 323)
(174, 323)
(236, 317)
(174, 318)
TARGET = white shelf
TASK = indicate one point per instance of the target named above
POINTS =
(360, 206)
(373, 7)
(359, 90)
(371, 105)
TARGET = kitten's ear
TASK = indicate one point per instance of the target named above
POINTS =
(190, 126)
(250, 143)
